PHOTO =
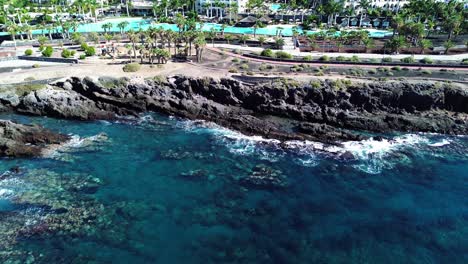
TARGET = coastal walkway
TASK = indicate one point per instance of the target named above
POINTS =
(296, 52)
(240, 56)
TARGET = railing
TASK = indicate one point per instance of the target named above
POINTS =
(60, 60)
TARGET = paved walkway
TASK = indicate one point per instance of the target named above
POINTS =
(296, 52)
(215, 49)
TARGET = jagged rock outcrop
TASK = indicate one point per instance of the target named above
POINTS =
(282, 109)
(18, 140)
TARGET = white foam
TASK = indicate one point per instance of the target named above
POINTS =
(5, 193)
(444, 142)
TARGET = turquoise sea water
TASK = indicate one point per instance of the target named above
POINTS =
(162, 190)
(139, 23)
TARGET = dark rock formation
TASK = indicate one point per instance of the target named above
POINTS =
(283, 109)
(18, 140)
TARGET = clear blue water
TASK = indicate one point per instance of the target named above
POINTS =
(139, 23)
(173, 191)
(275, 7)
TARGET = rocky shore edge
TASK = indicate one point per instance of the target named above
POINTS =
(324, 111)
(17, 140)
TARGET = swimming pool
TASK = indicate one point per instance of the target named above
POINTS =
(144, 24)
(275, 7)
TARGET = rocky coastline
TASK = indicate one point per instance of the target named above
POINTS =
(324, 111)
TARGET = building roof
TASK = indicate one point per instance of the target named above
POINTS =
(248, 19)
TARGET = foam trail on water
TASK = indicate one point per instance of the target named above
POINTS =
(236, 142)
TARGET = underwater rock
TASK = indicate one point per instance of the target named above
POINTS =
(17, 140)
(263, 176)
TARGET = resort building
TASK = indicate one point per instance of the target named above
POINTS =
(393, 5)
(219, 8)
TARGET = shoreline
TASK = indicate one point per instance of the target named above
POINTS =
(283, 109)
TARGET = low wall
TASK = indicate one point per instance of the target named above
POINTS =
(45, 59)
(254, 56)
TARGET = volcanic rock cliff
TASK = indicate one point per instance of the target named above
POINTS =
(326, 111)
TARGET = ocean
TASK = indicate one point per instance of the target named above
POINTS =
(158, 189)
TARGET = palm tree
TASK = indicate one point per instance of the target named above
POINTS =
(424, 44)
(243, 38)
(106, 26)
(212, 35)
(200, 44)
(223, 28)
(13, 30)
(261, 40)
(396, 43)
(448, 45)
(364, 5)
(279, 42)
(228, 38)
(133, 36)
(122, 25)
(369, 43)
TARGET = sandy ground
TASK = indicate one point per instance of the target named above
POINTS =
(101, 68)
(95, 67)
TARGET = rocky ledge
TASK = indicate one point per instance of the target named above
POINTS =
(326, 111)
(18, 140)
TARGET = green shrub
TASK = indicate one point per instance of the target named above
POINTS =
(372, 71)
(373, 60)
(36, 65)
(426, 60)
(66, 53)
(409, 59)
(235, 60)
(233, 70)
(387, 59)
(267, 53)
(405, 69)
(47, 52)
(319, 73)
(82, 56)
(464, 62)
(426, 72)
(396, 68)
(244, 66)
(297, 68)
(443, 70)
(382, 69)
(324, 58)
(308, 58)
(90, 51)
(237, 51)
(84, 46)
(250, 73)
(389, 73)
(355, 58)
(72, 53)
(265, 67)
(315, 84)
(131, 67)
(341, 58)
(283, 55)
(28, 52)
(41, 48)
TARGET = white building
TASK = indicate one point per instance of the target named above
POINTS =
(393, 5)
(209, 8)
